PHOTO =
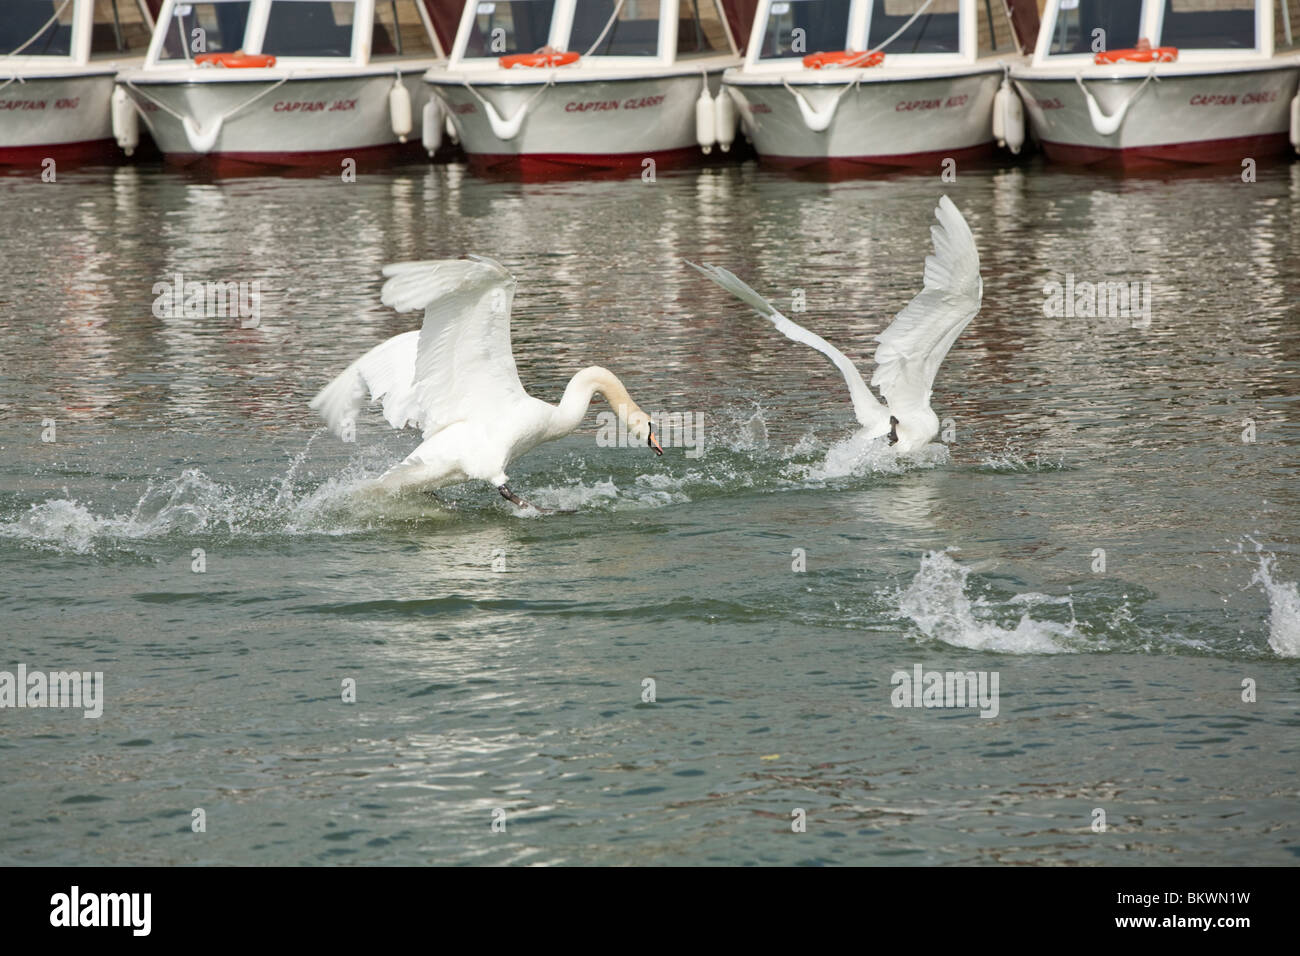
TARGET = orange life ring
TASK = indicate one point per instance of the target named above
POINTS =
(1160, 54)
(236, 60)
(538, 59)
(815, 61)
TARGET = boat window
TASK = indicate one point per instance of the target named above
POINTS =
(634, 31)
(213, 27)
(309, 28)
(506, 27)
(1286, 26)
(1077, 24)
(994, 28)
(119, 28)
(937, 30)
(30, 28)
(796, 28)
(399, 31)
(699, 29)
(1209, 24)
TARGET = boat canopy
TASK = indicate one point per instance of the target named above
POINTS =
(607, 31)
(76, 30)
(1084, 28)
(331, 31)
(788, 30)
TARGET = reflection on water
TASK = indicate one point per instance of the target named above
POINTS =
(500, 659)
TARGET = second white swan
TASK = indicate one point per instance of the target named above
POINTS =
(912, 347)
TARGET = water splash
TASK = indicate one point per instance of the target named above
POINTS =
(192, 503)
(937, 602)
(1014, 461)
(857, 456)
(1283, 605)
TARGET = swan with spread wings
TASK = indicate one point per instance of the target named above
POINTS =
(911, 349)
(454, 378)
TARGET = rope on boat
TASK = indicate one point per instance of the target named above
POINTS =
(819, 122)
(1106, 125)
(507, 129)
(612, 17)
(191, 124)
(45, 26)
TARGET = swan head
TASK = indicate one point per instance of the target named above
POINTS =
(912, 431)
(642, 429)
(596, 379)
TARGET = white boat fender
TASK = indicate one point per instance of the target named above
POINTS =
(399, 110)
(999, 128)
(450, 127)
(724, 119)
(704, 121)
(126, 121)
(431, 122)
(1008, 118)
(1295, 122)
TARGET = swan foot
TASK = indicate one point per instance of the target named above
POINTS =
(509, 495)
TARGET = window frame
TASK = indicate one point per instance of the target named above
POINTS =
(562, 28)
(1151, 23)
(363, 15)
(859, 29)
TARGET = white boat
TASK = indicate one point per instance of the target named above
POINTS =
(1159, 83)
(855, 85)
(58, 59)
(234, 84)
(547, 86)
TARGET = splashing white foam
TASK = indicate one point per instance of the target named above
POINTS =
(1283, 606)
(937, 602)
(193, 503)
(858, 455)
(1011, 460)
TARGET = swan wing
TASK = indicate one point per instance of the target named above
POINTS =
(915, 343)
(457, 366)
(870, 413)
(384, 374)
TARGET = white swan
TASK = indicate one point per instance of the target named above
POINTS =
(913, 346)
(455, 379)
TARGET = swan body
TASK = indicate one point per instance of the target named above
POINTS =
(911, 349)
(455, 379)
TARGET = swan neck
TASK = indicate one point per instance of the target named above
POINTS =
(578, 394)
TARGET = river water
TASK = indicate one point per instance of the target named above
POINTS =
(1111, 527)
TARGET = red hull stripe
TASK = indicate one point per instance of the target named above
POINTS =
(306, 160)
(1204, 152)
(88, 151)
